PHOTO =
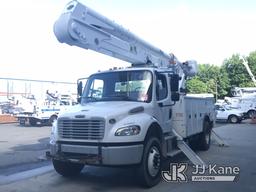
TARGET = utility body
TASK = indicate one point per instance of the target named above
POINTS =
(133, 116)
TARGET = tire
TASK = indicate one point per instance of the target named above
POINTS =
(250, 113)
(67, 169)
(204, 140)
(32, 122)
(52, 119)
(22, 122)
(149, 171)
(233, 119)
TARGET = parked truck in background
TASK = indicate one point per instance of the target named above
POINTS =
(225, 113)
(133, 116)
(43, 112)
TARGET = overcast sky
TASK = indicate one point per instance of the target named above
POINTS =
(207, 31)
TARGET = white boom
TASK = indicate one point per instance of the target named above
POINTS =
(83, 27)
(245, 63)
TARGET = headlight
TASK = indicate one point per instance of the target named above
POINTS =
(53, 132)
(128, 131)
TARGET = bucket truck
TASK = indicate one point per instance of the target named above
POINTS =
(244, 98)
(43, 112)
(134, 116)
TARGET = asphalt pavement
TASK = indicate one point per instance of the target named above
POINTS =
(22, 147)
(240, 153)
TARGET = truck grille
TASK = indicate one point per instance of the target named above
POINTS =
(83, 129)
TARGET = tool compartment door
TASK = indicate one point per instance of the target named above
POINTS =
(194, 115)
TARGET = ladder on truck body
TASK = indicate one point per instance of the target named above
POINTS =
(83, 27)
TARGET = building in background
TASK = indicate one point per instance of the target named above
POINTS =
(11, 89)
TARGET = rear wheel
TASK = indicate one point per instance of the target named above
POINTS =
(32, 122)
(22, 121)
(149, 171)
(67, 169)
(233, 119)
(251, 113)
(204, 140)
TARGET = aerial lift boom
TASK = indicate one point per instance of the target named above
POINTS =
(245, 63)
(81, 26)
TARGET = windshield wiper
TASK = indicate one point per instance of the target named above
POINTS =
(121, 97)
(90, 97)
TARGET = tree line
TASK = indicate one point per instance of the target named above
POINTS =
(220, 79)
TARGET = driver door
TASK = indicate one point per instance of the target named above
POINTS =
(163, 102)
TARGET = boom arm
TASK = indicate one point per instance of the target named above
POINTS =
(81, 26)
(249, 70)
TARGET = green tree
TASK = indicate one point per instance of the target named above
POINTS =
(214, 78)
(195, 85)
(223, 83)
(220, 79)
(237, 72)
(251, 59)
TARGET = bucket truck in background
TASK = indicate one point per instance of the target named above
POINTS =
(134, 116)
(43, 112)
(244, 98)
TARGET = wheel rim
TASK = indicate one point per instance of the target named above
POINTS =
(154, 161)
(207, 138)
(233, 119)
(251, 113)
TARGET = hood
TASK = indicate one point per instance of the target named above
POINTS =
(103, 109)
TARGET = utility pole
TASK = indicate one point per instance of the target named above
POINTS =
(216, 89)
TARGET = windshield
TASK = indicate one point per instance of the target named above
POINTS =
(119, 86)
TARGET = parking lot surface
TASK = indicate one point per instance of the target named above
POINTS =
(22, 145)
(239, 153)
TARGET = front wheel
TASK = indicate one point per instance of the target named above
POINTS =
(233, 119)
(149, 171)
(52, 119)
(67, 169)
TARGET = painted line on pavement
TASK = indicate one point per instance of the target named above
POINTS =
(24, 175)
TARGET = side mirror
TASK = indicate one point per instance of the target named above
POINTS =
(79, 91)
(175, 96)
(80, 88)
(175, 83)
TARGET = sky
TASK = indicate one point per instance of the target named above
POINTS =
(208, 31)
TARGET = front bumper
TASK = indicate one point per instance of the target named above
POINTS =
(102, 154)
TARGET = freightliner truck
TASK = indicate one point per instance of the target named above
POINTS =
(136, 116)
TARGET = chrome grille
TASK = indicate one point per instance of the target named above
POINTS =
(83, 129)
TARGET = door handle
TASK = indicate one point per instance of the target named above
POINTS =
(170, 113)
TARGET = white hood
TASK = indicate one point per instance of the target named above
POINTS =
(102, 109)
